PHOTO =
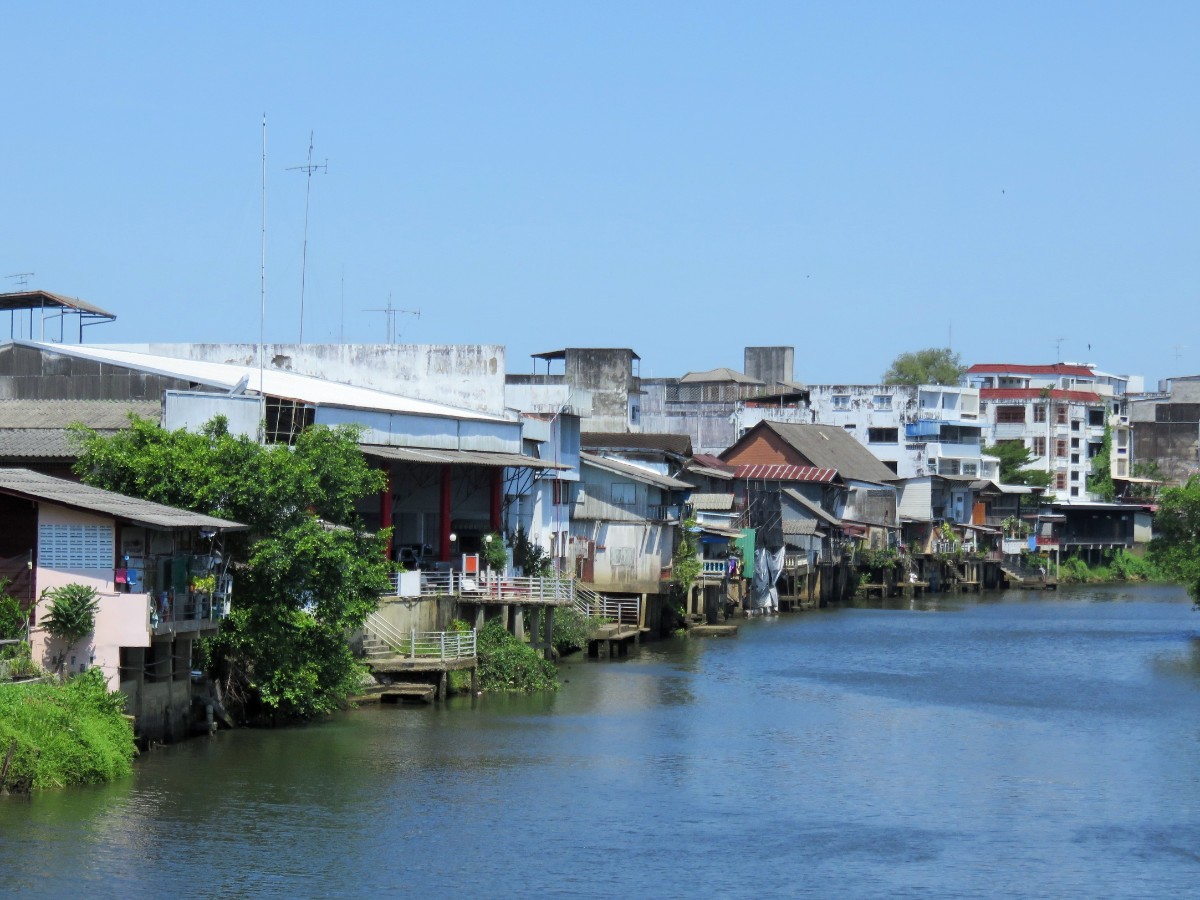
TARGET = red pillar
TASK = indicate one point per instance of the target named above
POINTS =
(385, 508)
(447, 483)
(497, 509)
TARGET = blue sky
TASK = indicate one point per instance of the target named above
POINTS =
(853, 179)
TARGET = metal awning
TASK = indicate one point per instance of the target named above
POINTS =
(458, 457)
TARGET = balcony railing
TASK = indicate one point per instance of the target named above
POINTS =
(492, 588)
(423, 645)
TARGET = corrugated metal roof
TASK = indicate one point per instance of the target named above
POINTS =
(825, 446)
(273, 382)
(39, 443)
(1018, 369)
(711, 462)
(36, 486)
(721, 374)
(801, 527)
(39, 299)
(711, 502)
(457, 457)
(784, 473)
(636, 472)
(680, 444)
(812, 508)
(102, 415)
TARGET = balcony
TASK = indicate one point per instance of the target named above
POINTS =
(482, 588)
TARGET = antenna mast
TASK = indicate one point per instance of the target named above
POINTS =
(308, 170)
(1058, 349)
(262, 272)
(391, 312)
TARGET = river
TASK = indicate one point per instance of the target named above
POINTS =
(1016, 744)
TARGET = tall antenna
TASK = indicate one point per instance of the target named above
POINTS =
(1058, 349)
(391, 312)
(262, 272)
(308, 170)
(1177, 348)
(342, 310)
(21, 279)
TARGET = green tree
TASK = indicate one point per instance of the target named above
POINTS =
(12, 616)
(1014, 456)
(1100, 481)
(71, 612)
(1175, 550)
(686, 563)
(306, 572)
(930, 366)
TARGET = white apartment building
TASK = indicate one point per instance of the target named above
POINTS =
(914, 431)
(1057, 411)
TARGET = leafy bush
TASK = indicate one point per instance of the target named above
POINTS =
(12, 616)
(72, 611)
(506, 664)
(72, 733)
(572, 630)
(495, 557)
(529, 557)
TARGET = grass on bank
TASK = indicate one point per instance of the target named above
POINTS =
(69, 733)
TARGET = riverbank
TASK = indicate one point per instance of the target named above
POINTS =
(56, 735)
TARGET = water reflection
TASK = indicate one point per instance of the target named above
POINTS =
(1012, 744)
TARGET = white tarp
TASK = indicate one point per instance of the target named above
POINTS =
(767, 566)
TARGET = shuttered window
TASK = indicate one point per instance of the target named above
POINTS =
(75, 546)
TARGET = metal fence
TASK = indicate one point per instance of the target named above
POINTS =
(430, 645)
(493, 588)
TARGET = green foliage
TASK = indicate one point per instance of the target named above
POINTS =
(1015, 528)
(930, 366)
(1147, 468)
(572, 630)
(506, 664)
(72, 733)
(686, 564)
(12, 617)
(866, 558)
(495, 557)
(529, 557)
(302, 584)
(1014, 456)
(1100, 481)
(1175, 550)
(71, 613)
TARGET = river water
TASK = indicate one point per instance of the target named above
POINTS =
(1005, 745)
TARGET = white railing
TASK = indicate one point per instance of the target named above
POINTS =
(439, 645)
(597, 606)
(492, 588)
(713, 567)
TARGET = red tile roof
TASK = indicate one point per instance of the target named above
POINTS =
(762, 472)
(1036, 393)
(1018, 369)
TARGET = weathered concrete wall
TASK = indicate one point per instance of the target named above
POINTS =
(469, 376)
(31, 373)
(608, 375)
(770, 364)
(430, 614)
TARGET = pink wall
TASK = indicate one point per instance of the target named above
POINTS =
(122, 620)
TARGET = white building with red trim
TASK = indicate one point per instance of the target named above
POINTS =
(1057, 411)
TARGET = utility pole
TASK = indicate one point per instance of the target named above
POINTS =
(308, 169)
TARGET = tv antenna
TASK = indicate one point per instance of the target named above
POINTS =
(308, 169)
(1178, 348)
(391, 313)
(22, 279)
(1058, 349)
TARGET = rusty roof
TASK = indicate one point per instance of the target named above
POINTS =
(1037, 393)
(1018, 369)
(680, 444)
(46, 300)
(760, 472)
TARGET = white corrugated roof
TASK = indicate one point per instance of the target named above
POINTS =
(275, 383)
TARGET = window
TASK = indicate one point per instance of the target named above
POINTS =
(1074, 492)
(883, 435)
(1074, 459)
(970, 468)
(1074, 476)
(1039, 446)
(1060, 414)
(1010, 414)
(1060, 481)
(1039, 413)
(1074, 443)
(883, 401)
(76, 546)
(1060, 448)
(622, 494)
(1096, 416)
(851, 427)
(840, 401)
(1074, 424)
